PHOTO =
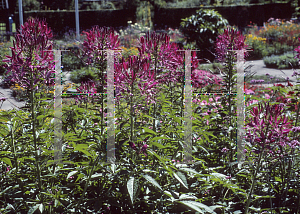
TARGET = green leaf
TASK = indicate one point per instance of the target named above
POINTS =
(7, 161)
(157, 145)
(149, 131)
(189, 170)
(218, 175)
(9, 206)
(33, 209)
(41, 208)
(71, 173)
(181, 178)
(151, 180)
(278, 179)
(82, 148)
(130, 188)
(197, 206)
(79, 177)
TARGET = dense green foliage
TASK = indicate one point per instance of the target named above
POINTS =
(285, 61)
(203, 29)
(45, 172)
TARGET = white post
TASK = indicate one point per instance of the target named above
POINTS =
(20, 14)
(240, 105)
(188, 93)
(77, 20)
(58, 108)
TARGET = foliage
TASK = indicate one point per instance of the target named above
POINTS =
(29, 5)
(151, 173)
(4, 51)
(71, 61)
(212, 67)
(277, 37)
(82, 75)
(203, 29)
(186, 4)
(129, 37)
(127, 52)
(285, 61)
(258, 79)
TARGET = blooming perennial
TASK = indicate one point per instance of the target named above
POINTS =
(32, 55)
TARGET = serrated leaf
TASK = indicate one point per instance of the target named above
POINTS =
(41, 208)
(189, 170)
(181, 178)
(130, 188)
(152, 181)
(33, 209)
(71, 173)
(199, 207)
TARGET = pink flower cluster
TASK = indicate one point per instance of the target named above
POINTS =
(228, 41)
(32, 55)
(140, 148)
(269, 129)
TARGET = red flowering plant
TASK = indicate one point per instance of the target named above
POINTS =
(32, 63)
(226, 46)
(86, 88)
(94, 52)
(268, 137)
(94, 48)
(163, 55)
(133, 81)
(31, 66)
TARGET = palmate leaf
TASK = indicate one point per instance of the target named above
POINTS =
(197, 206)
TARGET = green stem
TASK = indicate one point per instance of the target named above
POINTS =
(87, 182)
(253, 183)
(131, 114)
(34, 135)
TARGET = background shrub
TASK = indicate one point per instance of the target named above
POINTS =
(203, 29)
(285, 61)
(4, 51)
(82, 75)
(71, 62)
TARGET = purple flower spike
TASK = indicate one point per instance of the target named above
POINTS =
(132, 145)
(224, 150)
(144, 147)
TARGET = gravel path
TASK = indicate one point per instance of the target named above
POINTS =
(258, 66)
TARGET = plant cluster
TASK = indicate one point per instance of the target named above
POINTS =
(4, 51)
(275, 38)
(129, 36)
(203, 28)
(285, 61)
(151, 172)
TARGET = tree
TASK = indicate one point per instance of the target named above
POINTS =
(203, 29)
